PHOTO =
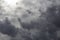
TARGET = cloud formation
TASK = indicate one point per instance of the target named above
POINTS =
(30, 20)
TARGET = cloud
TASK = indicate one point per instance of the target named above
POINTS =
(7, 28)
(4, 37)
(36, 21)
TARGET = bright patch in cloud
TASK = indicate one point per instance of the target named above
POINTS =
(11, 2)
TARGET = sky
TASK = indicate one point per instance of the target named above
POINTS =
(26, 10)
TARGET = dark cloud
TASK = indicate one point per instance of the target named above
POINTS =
(54, 15)
(42, 29)
(46, 25)
(54, 19)
(7, 28)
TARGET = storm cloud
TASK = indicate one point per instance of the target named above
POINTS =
(7, 28)
(30, 20)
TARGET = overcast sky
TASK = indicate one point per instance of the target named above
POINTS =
(25, 10)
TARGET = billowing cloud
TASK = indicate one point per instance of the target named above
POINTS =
(29, 19)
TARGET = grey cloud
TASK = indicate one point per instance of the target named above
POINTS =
(7, 28)
(36, 24)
